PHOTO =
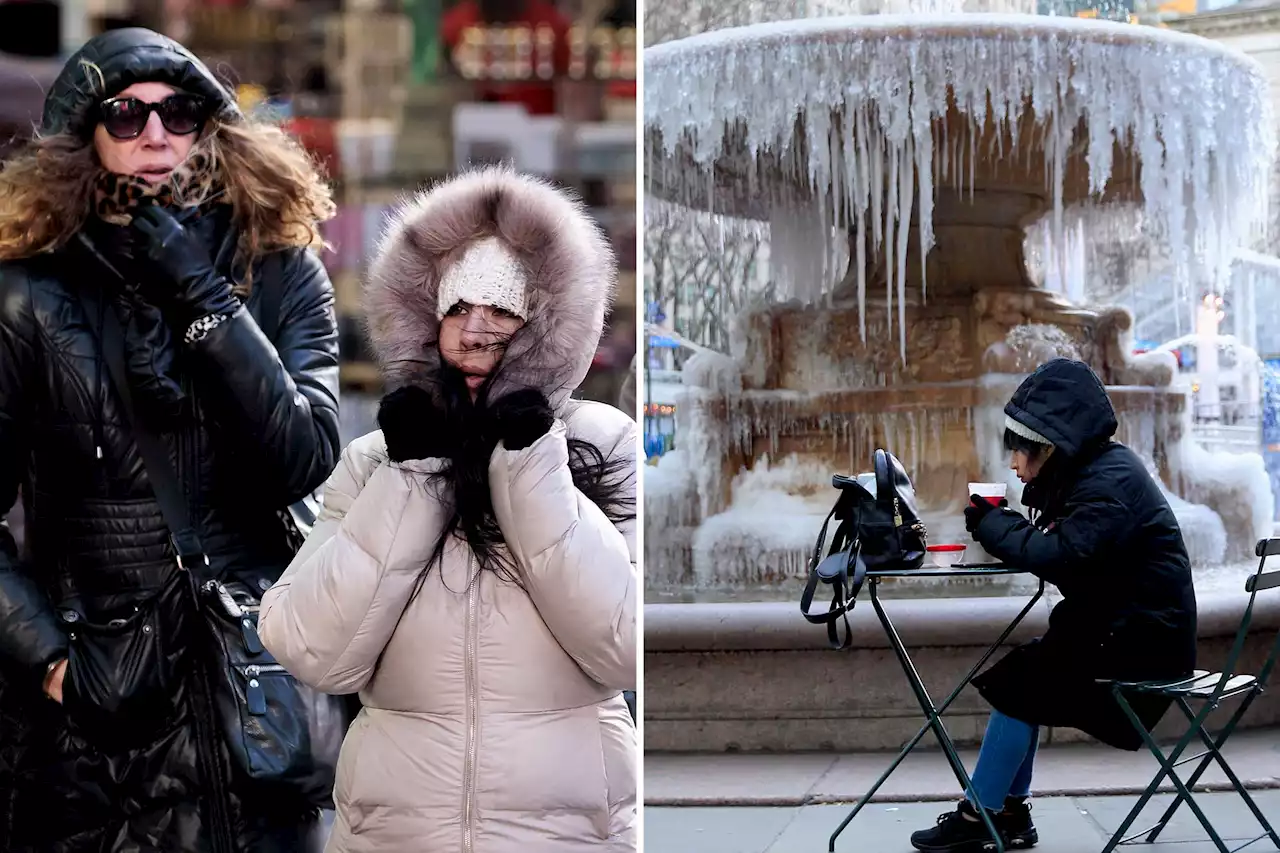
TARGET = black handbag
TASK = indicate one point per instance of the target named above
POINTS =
(280, 734)
(874, 532)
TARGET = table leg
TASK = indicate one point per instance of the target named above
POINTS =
(932, 715)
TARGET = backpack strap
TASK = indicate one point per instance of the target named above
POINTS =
(843, 570)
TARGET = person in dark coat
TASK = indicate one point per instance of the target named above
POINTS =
(1102, 532)
(148, 194)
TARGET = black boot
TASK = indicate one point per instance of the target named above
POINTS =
(960, 831)
(1014, 823)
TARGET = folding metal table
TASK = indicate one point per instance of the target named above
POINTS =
(933, 714)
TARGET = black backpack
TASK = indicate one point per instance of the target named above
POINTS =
(874, 532)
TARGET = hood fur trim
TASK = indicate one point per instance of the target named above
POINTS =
(571, 273)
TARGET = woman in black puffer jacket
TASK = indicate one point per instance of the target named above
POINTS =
(1102, 532)
(148, 195)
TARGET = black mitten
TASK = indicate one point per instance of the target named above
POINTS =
(521, 418)
(412, 424)
(977, 510)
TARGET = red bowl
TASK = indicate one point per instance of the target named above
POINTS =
(946, 556)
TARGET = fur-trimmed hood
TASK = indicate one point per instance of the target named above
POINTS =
(571, 268)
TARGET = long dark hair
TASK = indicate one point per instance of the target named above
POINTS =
(463, 483)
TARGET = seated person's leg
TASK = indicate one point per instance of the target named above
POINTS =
(1007, 753)
(1004, 761)
(1014, 821)
(1021, 787)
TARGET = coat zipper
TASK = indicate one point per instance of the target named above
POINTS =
(469, 770)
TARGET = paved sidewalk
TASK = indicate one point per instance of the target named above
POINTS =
(792, 803)
(1066, 825)
(1071, 770)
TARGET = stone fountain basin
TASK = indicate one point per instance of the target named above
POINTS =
(758, 678)
(750, 185)
(733, 117)
(933, 428)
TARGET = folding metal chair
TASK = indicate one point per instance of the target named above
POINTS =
(1207, 690)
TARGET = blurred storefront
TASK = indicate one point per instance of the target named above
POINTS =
(391, 96)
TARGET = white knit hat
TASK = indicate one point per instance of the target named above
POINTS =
(1025, 431)
(488, 273)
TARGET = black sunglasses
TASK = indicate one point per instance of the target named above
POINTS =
(126, 118)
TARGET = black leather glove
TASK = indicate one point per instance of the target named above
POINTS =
(191, 287)
(413, 425)
(977, 510)
(521, 418)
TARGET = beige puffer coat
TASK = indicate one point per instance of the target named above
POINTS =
(493, 719)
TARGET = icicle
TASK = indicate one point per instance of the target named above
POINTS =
(886, 246)
(860, 258)
(905, 186)
(1204, 148)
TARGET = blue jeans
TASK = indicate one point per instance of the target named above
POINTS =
(1005, 761)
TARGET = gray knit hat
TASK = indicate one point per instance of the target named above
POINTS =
(1025, 431)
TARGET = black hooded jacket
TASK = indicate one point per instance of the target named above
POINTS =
(1106, 537)
(252, 428)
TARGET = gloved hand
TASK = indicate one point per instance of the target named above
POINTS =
(413, 425)
(191, 287)
(977, 510)
(521, 418)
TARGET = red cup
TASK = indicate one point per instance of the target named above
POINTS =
(992, 493)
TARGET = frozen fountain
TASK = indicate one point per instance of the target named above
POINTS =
(897, 162)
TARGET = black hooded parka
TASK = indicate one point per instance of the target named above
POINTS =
(252, 428)
(1105, 536)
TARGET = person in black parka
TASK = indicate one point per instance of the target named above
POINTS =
(1102, 532)
(147, 193)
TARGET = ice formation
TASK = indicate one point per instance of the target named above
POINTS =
(1237, 487)
(767, 534)
(1026, 347)
(774, 414)
(714, 371)
(1203, 532)
(671, 512)
(866, 92)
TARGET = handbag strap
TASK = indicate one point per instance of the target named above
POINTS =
(154, 452)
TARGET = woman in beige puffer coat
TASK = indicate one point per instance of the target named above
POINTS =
(472, 574)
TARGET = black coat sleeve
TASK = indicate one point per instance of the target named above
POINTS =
(1094, 520)
(30, 636)
(281, 399)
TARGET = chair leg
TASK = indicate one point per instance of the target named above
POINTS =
(1168, 769)
(1212, 748)
(1199, 771)
(1119, 837)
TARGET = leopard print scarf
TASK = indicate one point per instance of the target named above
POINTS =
(194, 184)
(149, 348)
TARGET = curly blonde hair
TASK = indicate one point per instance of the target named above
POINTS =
(276, 193)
